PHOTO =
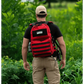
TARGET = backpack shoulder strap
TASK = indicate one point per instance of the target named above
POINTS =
(48, 22)
(32, 24)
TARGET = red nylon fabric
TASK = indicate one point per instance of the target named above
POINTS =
(44, 41)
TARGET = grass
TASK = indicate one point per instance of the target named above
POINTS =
(64, 5)
(55, 7)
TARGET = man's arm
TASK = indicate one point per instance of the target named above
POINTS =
(63, 49)
(24, 53)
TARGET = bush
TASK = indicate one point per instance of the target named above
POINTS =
(79, 6)
(14, 22)
(74, 49)
(72, 73)
(14, 73)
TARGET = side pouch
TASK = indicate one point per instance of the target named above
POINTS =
(29, 47)
(57, 54)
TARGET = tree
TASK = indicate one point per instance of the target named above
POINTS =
(49, 5)
(49, 2)
(15, 20)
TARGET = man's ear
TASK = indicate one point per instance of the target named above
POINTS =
(46, 15)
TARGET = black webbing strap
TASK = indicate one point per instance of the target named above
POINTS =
(41, 23)
(33, 24)
(54, 38)
(58, 47)
(48, 22)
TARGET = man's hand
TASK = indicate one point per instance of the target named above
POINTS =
(63, 63)
(26, 66)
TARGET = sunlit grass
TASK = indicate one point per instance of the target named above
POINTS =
(64, 5)
(55, 8)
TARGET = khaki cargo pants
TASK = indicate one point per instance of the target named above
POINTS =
(48, 65)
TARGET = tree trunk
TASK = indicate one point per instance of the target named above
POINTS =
(49, 5)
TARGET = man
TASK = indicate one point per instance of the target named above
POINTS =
(42, 65)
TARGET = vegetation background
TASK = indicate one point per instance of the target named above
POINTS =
(16, 17)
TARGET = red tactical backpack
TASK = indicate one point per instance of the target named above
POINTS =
(41, 40)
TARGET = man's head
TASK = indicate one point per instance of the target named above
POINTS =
(41, 12)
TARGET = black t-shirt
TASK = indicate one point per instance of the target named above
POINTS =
(55, 32)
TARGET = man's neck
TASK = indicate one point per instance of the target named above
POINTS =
(41, 20)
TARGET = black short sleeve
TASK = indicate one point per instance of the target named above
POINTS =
(55, 31)
(27, 32)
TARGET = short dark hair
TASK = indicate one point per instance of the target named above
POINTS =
(41, 16)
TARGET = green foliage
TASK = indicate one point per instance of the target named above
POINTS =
(72, 73)
(13, 16)
(30, 57)
(14, 73)
(74, 49)
(79, 6)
